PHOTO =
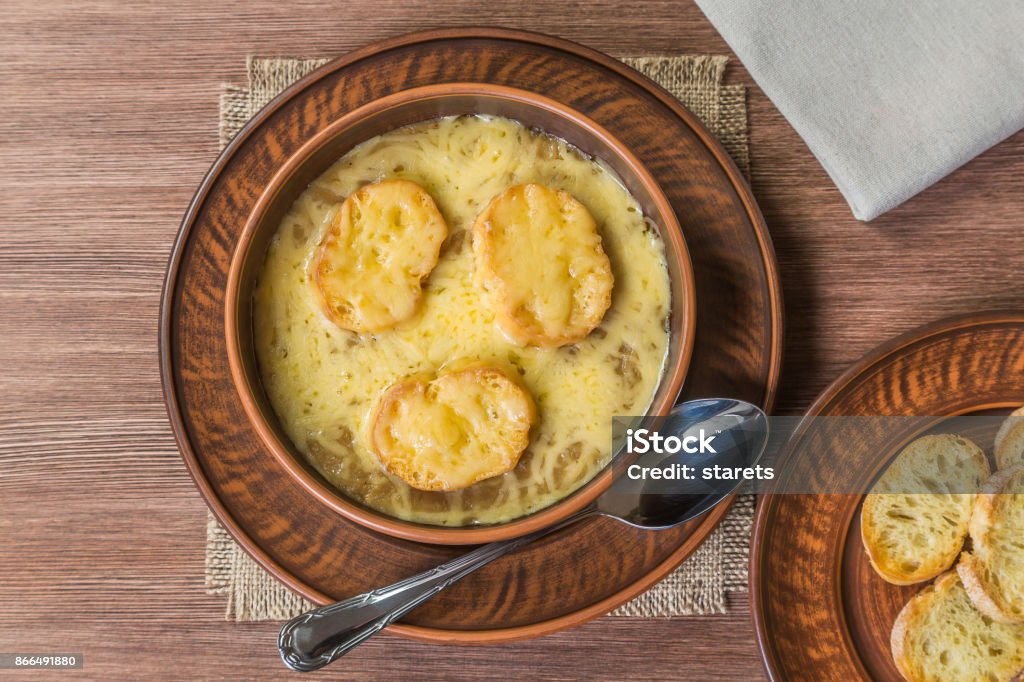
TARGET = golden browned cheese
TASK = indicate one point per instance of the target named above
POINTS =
(450, 432)
(324, 381)
(539, 255)
(370, 265)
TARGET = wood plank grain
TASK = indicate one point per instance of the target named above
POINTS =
(107, 124)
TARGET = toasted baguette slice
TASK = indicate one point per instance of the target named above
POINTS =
(912, 536)
(993, 572)
(450, 432)
(940, 637)
(1010, 441)
(538, 254)
(367, 274)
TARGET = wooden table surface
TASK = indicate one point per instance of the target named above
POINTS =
(108, 121)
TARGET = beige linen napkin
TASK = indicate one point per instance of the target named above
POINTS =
(718, 566)
(889, 96)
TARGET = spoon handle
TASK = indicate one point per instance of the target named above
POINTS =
(314, 639)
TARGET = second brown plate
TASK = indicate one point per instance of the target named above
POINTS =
(572, 575)
(820, 610)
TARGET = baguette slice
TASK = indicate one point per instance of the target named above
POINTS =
(940, 637)
(367, 273)
(914, 536)
(538, 253)
(449, 432)
(1010, 441)
(993, 572)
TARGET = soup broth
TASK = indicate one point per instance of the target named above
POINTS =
(323, 381)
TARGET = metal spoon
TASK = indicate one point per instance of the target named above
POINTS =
(318, 637)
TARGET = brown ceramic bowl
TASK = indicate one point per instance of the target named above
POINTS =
(388, 113)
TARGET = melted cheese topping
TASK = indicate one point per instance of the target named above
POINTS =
(539, 254)
(449, 432)
(324, 381)
(369, 268)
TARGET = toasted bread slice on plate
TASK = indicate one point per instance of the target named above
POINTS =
(452, 431)
(911, 535)
(538, 254)
(368, 270)
(940, 637)
(993, 571)
(1010, 441)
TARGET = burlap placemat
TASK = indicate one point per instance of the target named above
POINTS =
(718, 566)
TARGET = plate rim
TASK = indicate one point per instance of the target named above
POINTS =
(766, 506)
(739, 184)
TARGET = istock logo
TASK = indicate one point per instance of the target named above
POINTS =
(642, 441)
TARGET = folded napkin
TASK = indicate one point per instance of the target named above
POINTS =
(889, 95)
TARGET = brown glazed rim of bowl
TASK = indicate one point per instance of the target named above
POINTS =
(335, 499)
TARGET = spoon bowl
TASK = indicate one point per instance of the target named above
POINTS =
(740, 436)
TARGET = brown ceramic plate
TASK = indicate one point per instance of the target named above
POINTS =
(575, 574)
(820, 610)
